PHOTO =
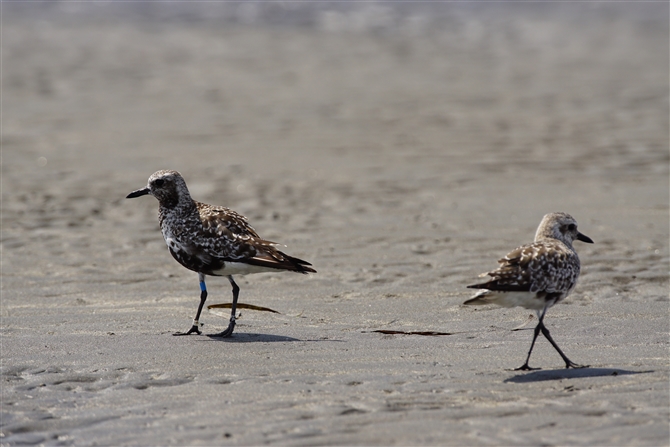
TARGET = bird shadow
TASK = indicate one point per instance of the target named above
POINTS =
(560, 374)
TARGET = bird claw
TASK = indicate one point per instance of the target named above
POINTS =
(525, 367)
(575, 366)
(194, 329)
(229, 330)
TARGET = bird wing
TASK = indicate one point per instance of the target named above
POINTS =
(217, 217)
(227, 236)
(541, 266)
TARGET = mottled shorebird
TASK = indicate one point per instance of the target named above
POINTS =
(537, 276)
(212, 240)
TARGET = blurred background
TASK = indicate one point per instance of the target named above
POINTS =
(403, 129)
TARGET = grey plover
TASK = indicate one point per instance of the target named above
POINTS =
(212, 240)
(537, 276)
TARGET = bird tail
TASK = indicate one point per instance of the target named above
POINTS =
(301, 266)
(281, 261)
(478, 298)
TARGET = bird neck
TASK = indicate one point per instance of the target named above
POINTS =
(542, 237)
(183, 208)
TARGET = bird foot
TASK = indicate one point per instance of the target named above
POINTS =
(229, 330)
(525, 367)
(574, 365)
(194, 329)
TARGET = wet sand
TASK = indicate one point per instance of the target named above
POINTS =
(401, 164)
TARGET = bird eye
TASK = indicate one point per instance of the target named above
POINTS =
(572, 227)
(159, 182)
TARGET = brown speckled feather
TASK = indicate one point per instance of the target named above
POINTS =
(214, 240)
(536, 275)
(541, 266)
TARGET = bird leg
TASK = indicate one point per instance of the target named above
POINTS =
(203, 297)
(231, 326)
(568, 362)
(536, 332)
(541, 327)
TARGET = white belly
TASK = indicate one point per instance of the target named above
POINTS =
(529, 300)
(240, 268)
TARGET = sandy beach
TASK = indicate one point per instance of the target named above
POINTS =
(401, 153)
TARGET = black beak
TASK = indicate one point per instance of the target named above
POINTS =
(139, 192)
(580, 237)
